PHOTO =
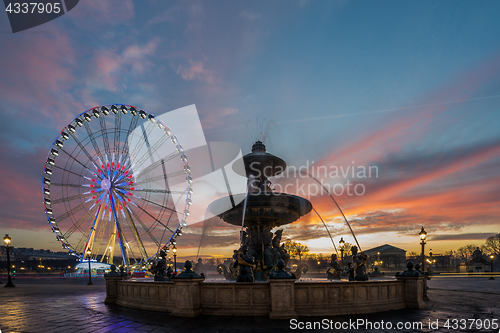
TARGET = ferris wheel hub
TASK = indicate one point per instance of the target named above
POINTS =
(106, 184)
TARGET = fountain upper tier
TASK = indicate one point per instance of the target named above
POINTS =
(264, 207)
(259, 163)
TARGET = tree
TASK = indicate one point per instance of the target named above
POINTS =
(449, 253)
(412, 254)
(467, 250)
(296, 249)
(493, 245)
(347, 249)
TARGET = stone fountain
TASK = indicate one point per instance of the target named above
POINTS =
(281, 296)
(262, 210)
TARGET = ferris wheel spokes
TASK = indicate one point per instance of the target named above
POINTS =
(92, 191)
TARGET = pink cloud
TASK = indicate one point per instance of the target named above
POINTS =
(195, 71)
(217, 117)
(35, 70)
(108, 68)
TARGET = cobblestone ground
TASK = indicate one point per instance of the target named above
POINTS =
(69, 305)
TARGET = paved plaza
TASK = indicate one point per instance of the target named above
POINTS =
(69, 305)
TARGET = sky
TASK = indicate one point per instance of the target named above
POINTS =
(410, 89)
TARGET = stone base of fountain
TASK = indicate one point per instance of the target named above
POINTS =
(277, 298)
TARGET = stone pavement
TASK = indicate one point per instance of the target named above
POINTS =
(69, 305)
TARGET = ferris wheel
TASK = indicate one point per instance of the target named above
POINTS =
(117, 184)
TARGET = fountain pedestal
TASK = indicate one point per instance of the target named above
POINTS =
(282, 299)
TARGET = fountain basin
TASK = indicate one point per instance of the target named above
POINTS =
(268, 209)
(276, 298)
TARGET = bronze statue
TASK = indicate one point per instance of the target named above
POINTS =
(360, 261)
(159, 268)
(333, 273)
(246, 265)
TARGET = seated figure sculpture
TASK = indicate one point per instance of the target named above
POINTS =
(113, 272)
(159, 268)
(360, 260)
(350, 271)
(188, 272)
(333, 273)
(280, 273)
(246, 265)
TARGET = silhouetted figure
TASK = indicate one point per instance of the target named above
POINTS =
(333, 273)
(350, 271)
(245, 264)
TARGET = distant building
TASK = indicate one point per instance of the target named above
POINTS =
(29, 259)
(386, 257)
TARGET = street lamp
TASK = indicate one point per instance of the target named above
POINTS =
(423, 235)
(90, 269)
(341, 242)
(431, 262)
(174, 249)
(318, 265)
(7, 240)
(491, 267)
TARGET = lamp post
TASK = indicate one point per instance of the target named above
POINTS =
(430, 261)
(342, 252)
(423, 235)
(491, 267)
(318, 265)
(174, 249)
(90, 269)
(7, 240)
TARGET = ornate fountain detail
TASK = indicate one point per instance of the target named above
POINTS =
(263, 210)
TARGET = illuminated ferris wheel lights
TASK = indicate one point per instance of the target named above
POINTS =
(113, 178)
